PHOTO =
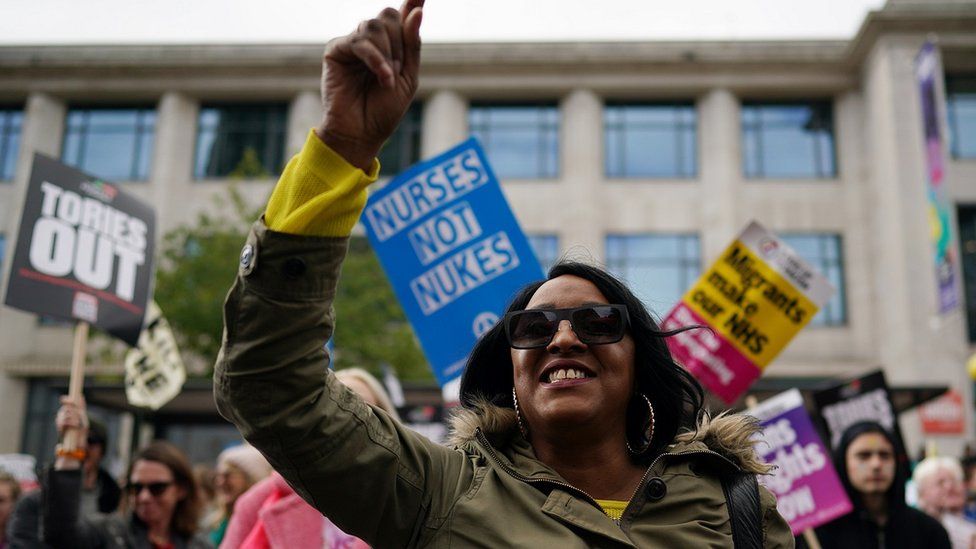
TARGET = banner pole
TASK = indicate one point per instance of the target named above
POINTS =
(811, 538)
(77, 380)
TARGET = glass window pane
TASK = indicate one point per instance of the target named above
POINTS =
(522, 141)
(111, 143)
(650, 140)
(546, 248)
(788, 140)
(658, 267)
(11, 121)
(241, 141)
(824, 252)
(967, 245)
(961, 107)
(402, 150)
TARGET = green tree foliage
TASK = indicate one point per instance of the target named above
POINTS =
(372, 328)
(198, 264)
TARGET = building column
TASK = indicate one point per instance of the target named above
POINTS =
(583, 204)
(917, 344)
(42, 132)
(719, 170)
(173, 157)
(304, 114)
(445, 122)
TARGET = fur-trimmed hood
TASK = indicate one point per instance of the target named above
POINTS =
(731, 436)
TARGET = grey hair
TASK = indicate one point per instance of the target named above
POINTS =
(382, 398)
(931, 465)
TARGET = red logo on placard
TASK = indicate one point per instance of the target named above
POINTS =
(944, 415)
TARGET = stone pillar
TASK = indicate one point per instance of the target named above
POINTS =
(173, 157)
(42, 131)
(305, 113)
(719, 170)
(582, 204)
(445, 122)
(917, 343)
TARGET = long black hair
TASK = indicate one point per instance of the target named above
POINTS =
(676, 395)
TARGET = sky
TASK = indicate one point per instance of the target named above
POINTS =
(310, 21)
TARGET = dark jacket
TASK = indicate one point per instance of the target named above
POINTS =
(24, 526)
(64, 528)
(906, 528)
(390, 486)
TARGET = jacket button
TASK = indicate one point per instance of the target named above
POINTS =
(247, 254)
(656, 488)
(294, 267)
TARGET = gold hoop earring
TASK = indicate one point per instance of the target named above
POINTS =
(518, 417)
(648, 430)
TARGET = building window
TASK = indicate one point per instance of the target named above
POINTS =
(243, 141)
(967, 244)
(788, 140)
(546, 248)
(961, 106)
(402, 149)
(521, 141)
(659, 268)
(824, 252)
(11, 121)
(650, 140)
(111, 143)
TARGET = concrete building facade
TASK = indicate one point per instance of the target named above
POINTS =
(872, 200)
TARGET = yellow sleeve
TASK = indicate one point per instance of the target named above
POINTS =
(319, 193)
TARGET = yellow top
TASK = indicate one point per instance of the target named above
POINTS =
(319, 193)
(613, 508)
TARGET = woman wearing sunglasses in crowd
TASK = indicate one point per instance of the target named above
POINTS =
(570, 427)
(161, 505)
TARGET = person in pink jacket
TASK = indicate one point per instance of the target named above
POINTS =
(270, 515)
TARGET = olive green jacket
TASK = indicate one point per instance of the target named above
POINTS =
(394, 488)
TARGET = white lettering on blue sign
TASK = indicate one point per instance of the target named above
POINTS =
(463, 272)
(425, 192)
(446, 231)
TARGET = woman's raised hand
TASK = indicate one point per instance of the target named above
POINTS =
(369, 78)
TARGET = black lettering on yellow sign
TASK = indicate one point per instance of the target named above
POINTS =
(751, 278)
(743, 331)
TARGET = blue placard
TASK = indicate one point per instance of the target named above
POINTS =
(452, 249)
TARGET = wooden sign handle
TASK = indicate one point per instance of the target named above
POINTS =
(77, 380)
(810, 537)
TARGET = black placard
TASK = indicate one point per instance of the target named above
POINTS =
(84, 251)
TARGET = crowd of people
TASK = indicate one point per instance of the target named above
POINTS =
(161, 501)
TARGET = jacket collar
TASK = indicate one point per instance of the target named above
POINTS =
(726, 436)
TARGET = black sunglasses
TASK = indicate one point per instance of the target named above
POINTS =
(593, 324)
(155, 488)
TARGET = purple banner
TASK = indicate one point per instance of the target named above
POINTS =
(808, 491)
(940, 212)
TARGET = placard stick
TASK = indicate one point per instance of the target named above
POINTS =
(811, 538)
(77, 380)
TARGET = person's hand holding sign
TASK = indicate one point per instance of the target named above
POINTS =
(368, 81)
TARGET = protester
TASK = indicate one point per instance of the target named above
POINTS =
(205, 477)
(238, 468)
(941, 494)
(9, 493)
(570, 428)
(272, 516)
(100, 493)
(161, 507)
(875, 482)
(969, 474)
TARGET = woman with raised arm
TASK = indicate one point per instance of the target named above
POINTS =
(570, 432)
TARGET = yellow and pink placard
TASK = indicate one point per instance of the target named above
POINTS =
(754, 298)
